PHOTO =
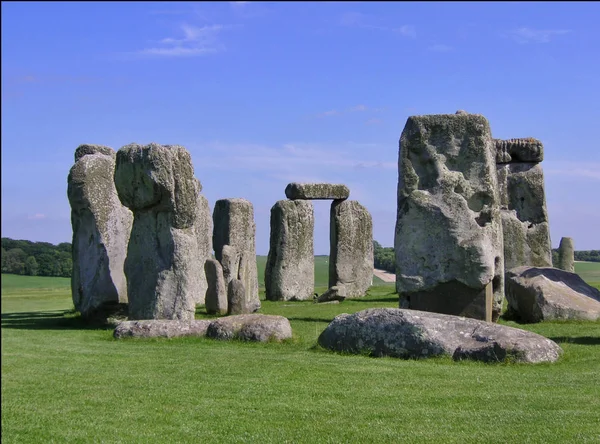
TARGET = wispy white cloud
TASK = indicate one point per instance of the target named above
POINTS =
(37, 216)
(581, 170)
(360, 20)
(248, 10)
(529, 35)
(440, 48)
(194, 41)
(374, 122)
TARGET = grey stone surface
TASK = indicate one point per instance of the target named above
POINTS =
(417, 334)
(233, 221)
(335, 293)
(101, 227)
(236, 298)
(519, 150)
(566, 254)
(251, 327)
(546, 294)
(160, 328)
(216, 293)
(316, 191)
(290, 268)
(524, 215)
(164, 269)
(203, 229)
(448, 238)
(351, 247)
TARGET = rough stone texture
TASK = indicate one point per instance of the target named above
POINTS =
(566, 255)
(203, 228)
(165, 276)
(236, 298)
(417, 334)
(448, 239)
(251, 327)
(519, 150)
(524, 215)
(161, 329)
(216, 293)
(290, 269)
(351, 253)
(316, 191)
(101, 228)
(233, 221)
(335, 293)
(546, 294)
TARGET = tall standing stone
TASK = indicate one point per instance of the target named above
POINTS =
(101, 227)
(290, 269)
(448, 239)
(523, 203)
(566, 255)
(233, 221)
(163, 265)
(203, 227)
(216, 293)
(351, 253)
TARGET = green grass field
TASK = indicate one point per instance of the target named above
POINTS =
(63, 382)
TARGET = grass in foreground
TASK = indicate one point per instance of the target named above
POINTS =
(62, 382)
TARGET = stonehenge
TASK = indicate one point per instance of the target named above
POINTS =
(523, 203)
(289, 274)
(566, 255)
(448, 238)
(101, 227)
(164, 270)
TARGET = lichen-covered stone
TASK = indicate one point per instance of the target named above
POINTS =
(236, 298)
(566, 254)
(233, 221)
(411, 334)
(335, 293)
(351, 252)
(165, 276)
(547, 294)
(519, 150)
(101, 228)
(524, 215)
(251, 327)
(216, 293)
(203, 228)
(316, 191)
(160, 328)
(290, 269)
(448, 238)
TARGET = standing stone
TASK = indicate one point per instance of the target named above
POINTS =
(236, 298)
(230, 261)
(203, 227)
(566, 255)
(351, 241)
(101, 227)
(448, 239)
(157, 183)
(524, 215)
(216, 293)
(233, 221)
(290, 269)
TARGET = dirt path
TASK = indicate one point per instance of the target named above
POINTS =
(385, 276)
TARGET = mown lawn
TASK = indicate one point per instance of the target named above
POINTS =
(62, 382)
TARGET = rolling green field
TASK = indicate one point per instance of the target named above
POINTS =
(64, 382)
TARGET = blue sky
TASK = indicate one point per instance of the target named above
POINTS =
(263, 94)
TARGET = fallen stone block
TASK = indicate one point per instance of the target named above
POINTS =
(251, 327)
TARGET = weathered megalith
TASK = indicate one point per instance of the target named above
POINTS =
(203, 228)
(547, 294)
(101, 228)
(216, 293)
(161, 328)
(566, 255)
(413, 334)
(351, 242)
(316, 191)
(164, 267)
(448, 238)
(290, 269)
(335, 293)
(233, 221)
(236, 298)
(523, 203)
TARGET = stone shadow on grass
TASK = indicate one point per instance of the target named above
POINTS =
(581, 340)
(50, 320)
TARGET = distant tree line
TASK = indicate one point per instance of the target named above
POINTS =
(588, 256)
(384, 257)
(36, 258)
